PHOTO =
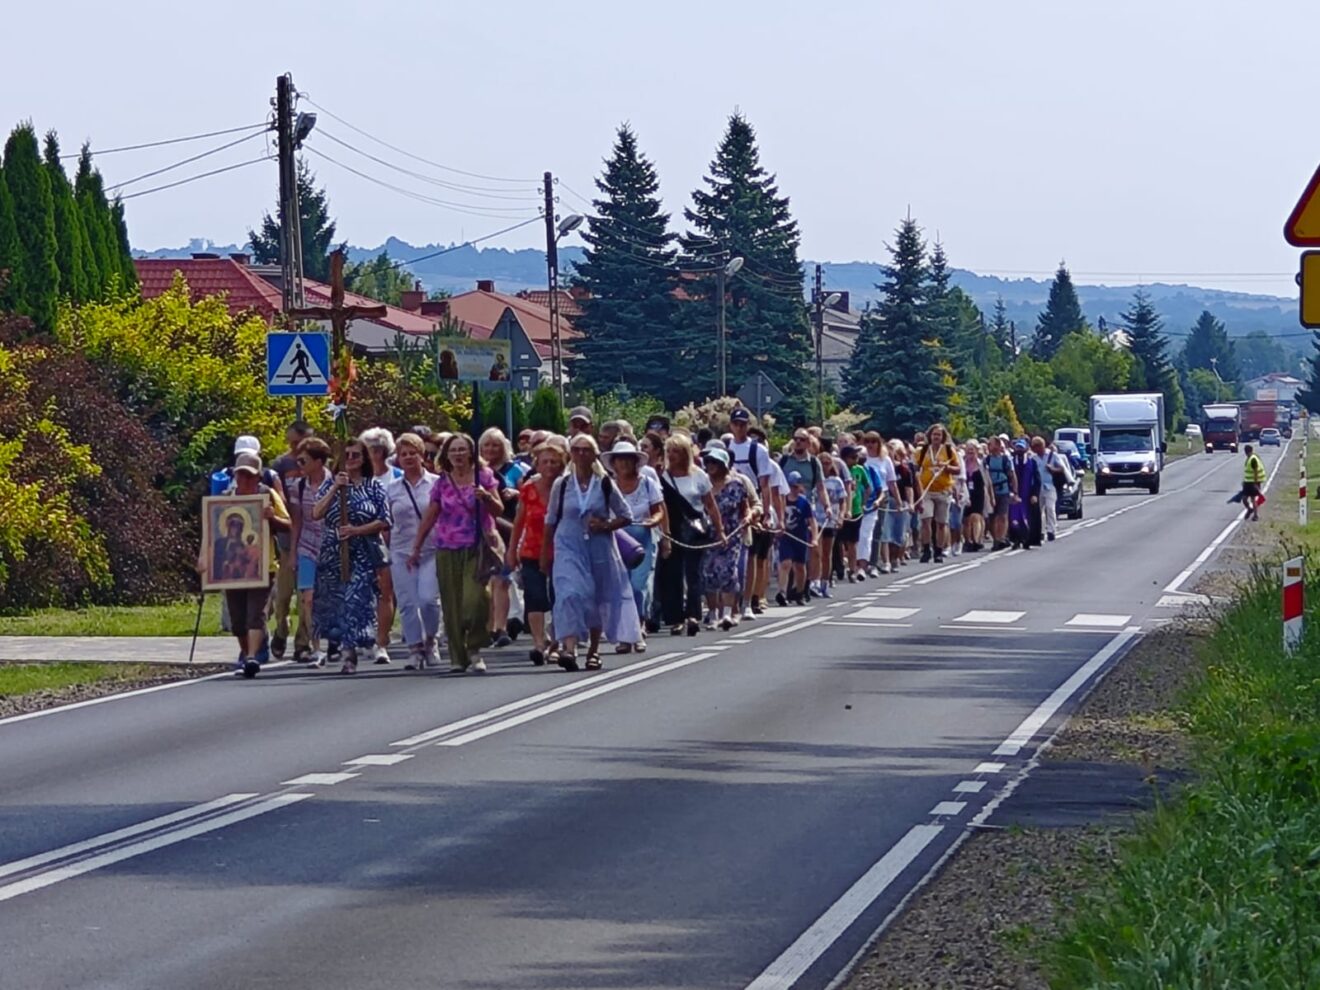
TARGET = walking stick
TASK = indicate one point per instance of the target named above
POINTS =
(197, 626)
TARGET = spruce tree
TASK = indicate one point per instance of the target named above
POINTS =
(318, 230)
(740, 214)
(628, 278)
(34, 218)
(1003, 332)
(894, 373)
(11, 271)
(1207, 346)
(1062, 315)
(1151, 369)
(69, 234)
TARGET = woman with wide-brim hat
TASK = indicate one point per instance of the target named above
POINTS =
(641, 490)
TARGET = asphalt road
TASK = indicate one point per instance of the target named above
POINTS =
(726, 811)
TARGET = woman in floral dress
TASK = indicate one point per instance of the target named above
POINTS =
(719, 568)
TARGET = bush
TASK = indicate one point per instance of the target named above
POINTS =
(545, 412)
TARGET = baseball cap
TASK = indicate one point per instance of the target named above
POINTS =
(740, 415)
(658, 423)
(716, 454)
(580, 412)
(247, 462)
(246, 442)
(1019, 445)
(795, 477)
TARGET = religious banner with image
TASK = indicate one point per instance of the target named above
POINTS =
(462, 359)
(235, 542)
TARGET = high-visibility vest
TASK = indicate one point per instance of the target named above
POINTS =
(1253, 472)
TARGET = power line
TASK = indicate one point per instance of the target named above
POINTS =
(498, 212)
(194, 178)
(419, 158)
(458, 247)
(179, 140)
(185, 161)
(487, 192)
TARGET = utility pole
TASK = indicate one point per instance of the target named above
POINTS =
(552, 278)
(818, 301)
(291, 265)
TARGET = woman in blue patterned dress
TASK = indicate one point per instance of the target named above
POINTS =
(346, 611)
(719, 568)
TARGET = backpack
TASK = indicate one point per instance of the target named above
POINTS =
(753, 446)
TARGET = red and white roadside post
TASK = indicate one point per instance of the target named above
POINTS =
(1293, 602)
(1301, 486)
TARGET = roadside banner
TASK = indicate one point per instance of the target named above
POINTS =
(1293, 604)
(462, 359)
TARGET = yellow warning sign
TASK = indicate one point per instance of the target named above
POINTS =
(1309, 280)
(1303, 226)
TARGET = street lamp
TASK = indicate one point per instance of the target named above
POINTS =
(566, 226)
(1214, 366)
(728, 270)
(822, 301)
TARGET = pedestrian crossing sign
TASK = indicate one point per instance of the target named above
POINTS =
(297, 363)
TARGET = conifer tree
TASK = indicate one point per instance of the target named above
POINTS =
(34, 218)
(628, 278)
(1207, 346)
(894, 373)
(123, 251)
(740, 214)
(1003, 332)
(1062, 315)
(89, 191)
(70, 237)
(318, 229)
(11, 272)
(1151, 369)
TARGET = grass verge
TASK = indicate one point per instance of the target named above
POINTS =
(1220, 886)
(21, 679)
(172, 619)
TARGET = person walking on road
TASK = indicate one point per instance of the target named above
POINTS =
(593, 596)
(417, 588)
(719, 568)
(1001, 492)
(1024, 517)
(306, 536)
(346, 611)
(1253, 481)
(465, 503)
(974, 516)
(550, 457)
(937, 466)
(641, 490)
(693, 521)
(289, 470)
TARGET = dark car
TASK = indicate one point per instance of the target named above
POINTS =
(1069, 503)
(1270, 437)
(1076, 457)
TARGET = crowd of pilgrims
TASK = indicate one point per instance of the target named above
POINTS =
(602, 537)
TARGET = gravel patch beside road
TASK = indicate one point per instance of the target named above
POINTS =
(34, 701)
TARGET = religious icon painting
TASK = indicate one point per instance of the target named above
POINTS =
(235, 542)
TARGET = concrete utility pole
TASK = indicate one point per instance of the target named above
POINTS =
(818, 299)
(291, 261)
(552, 278)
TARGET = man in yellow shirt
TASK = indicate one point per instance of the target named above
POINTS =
(1253, 477)
(938, 467)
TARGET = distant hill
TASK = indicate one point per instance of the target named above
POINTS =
(1179, 305)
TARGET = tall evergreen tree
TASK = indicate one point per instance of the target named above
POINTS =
(1207, 346)
(740, 214)
(34, 217)
(11, 271)
(1062, 315)
(89, 190)
(894, 373)
(318, 229)
(1151, 369)
(70, 236)
(628, 277)
(123, 250)
(1003, 332)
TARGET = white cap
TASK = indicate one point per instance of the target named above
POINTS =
(246, 442)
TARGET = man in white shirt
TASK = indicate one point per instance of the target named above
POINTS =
(1055, 473)
(752, 460)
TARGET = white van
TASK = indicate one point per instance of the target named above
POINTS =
(1079, 435)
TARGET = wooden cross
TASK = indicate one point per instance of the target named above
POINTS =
(340, 316)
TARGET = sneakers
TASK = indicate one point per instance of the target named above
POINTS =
(501, 640)
(349, 666)
(380, 655)
(1050, 537)
(747, 614)
(781, 601)
(278, 644)
(708, 623)
(537, 658)
(263, 653)
(250, 669)
(758, 608)
(416, 660)
(925, 554)
(477, 666)
(939, 555)
(873, 572)
(726, 623)
(433, 654)
(316, 659)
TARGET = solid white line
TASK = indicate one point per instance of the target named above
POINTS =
(109, 838)
(27, 886)
(1032, 724)
(112, 697)
(536, 699)
(792, 629)
(825, 930)
(949, 572)
(762, 626)
(569, 702)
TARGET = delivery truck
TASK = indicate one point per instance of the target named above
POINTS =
(1127, 430)
(1219, 426)
(1256, 415)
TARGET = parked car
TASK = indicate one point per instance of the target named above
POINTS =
(1069, 504)
(1193, 431)
(1071, 451)
(1270, 437)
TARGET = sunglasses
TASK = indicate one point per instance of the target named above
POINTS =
(353, 455)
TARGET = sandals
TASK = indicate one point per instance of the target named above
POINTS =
(624, 648)
(568, 660)
(593, 661)
(537, 658)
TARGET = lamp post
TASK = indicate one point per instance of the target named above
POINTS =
(553, 235)
(728, 270)
(822, 301)
(1219, 390)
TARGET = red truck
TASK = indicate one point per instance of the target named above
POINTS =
(1256, 416)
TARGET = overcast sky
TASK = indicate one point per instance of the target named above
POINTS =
(1127, 136)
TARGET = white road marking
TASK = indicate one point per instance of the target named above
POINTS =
(799, 957)
(886, 613)
(327, 779)
(109, 838)
(870, 625)
(535, 699)
(762, 626)
(948, 808)
(379, 760)
(1182, 599)
(576, 699)
(792, 629)
(948, 572)
(986, 617)
(189, 831)
(1098, 619)
(1032, 724)
(989, 768)
(968, 787)
(967, 628)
